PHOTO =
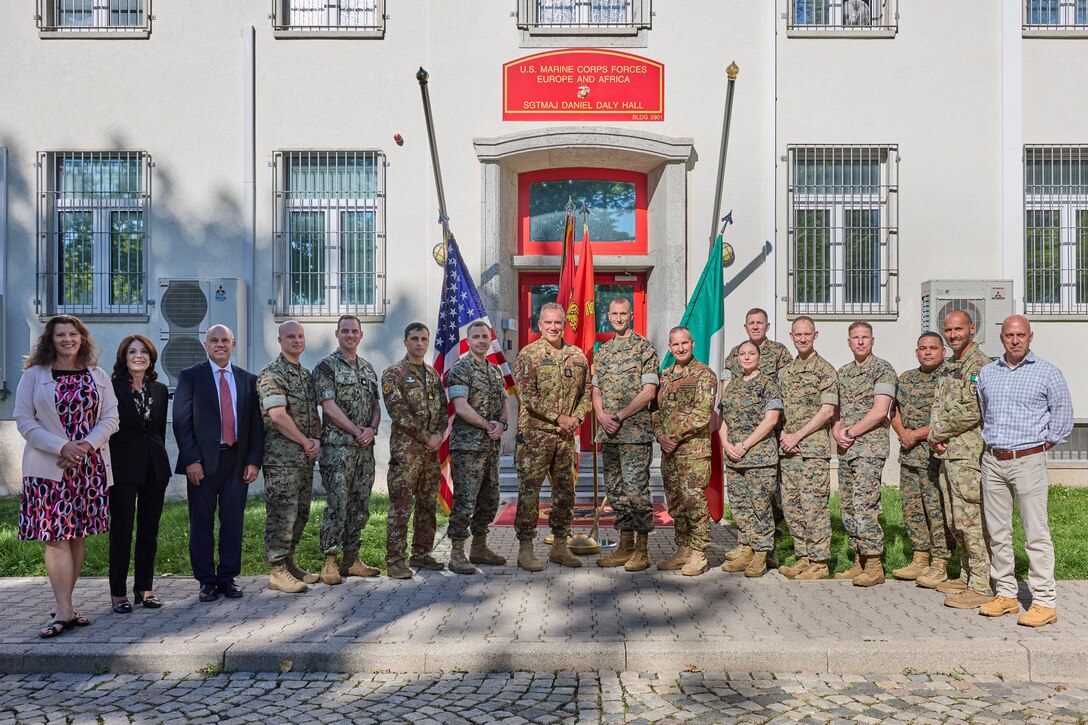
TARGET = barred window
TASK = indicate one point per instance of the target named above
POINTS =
(330, 232)
(92, 232)
(328, 18)
(1056, 14)
(87, 18)
(852, 15)
(1056, 230)
(573, 16)
(842, 229)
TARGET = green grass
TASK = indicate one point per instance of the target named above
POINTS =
(25, 558)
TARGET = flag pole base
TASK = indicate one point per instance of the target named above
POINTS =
(606, 544)
(582, 545)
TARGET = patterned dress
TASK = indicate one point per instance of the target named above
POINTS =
(76, 506)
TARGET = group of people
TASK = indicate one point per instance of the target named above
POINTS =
(972, 436)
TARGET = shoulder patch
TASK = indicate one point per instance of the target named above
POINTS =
(387, 387)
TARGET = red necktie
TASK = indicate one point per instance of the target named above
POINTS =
(226, 409)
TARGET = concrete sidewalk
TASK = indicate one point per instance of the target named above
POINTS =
(559, 619)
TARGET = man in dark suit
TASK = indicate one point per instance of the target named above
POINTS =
(217, 424)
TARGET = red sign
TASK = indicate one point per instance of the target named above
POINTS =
(583, 85)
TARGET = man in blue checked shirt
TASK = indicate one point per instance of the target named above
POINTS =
(1026, 411)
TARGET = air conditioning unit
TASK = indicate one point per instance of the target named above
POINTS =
(187, 308)
(987, 301)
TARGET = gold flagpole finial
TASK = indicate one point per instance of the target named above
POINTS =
(732, 71)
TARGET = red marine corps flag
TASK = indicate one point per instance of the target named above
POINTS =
(581, 315)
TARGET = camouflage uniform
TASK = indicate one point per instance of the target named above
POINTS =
(956, 418)
(474, 456)
(685, 400)
(861, 464)
(416, 402)
(552, 382)
(806, 386)
(347, 469)
(288, 474)
(621, 367)
(919, 469)
(773, 356)
(751, 480)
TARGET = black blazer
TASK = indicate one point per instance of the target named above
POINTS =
(139, 443)
(197, 423)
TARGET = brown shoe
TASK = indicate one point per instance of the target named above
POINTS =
(527, 558)
(560, 554)
(458, 563)
(872, 572)
(952, 586)
(740, 563)
(352, 565)
(916, 568)
(736, 552)
(640, 557)
(818, 570)
(677, 560)
(1038, 616)
(757, 565)
(426, 561)
(280, 580)
(302, 575)
(934, 575)
(397, 570)
(330, 571)
(622, 553)
(479, 553)
(968, 599)
(696, 564)
(792, 570)
(999, 606)
(852, 572)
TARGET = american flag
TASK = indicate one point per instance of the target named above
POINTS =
(461, 306)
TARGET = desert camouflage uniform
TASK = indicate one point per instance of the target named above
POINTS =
(956, 418)
(919, 469)
(416, 402)
(347, 469)
(621, 367)
(860, 466)
(552, 382)
(474, 457)
(685, 401)
(288, 474)
(751, 481)
(806, 386)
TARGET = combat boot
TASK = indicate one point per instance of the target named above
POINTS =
(872, 572)
(352, 565)
(281, 580)
(740, 563)
(952, 586)
(330, 572)
(818, 570)
(561, 555)
(796, 568)
(426, 561)
(999, 606)
(640, 559)
(917, 566)
(302, 575)
(1038, 616)
(935, 574)
(622, 553)
(852, 572)
(481, 554)
(677, 560)
(458, 563)
(735, 552)
(772, 559)
(397, 570)
(757, 565)
(526, 558)
(696, 564)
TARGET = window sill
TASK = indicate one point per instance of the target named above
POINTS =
(1057, 316)
(845, 316)
(330, 33)
(584, 38)
(96, 34)
(1041, 31)
(823, 31)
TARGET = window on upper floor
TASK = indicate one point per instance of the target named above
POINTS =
(842, 17)
(328, 18)
(94, 18)
(1059, 16)
(843, 228)
(92, 232)
(329, 233)
(584, 17)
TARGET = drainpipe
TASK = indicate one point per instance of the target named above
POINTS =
(249, 189)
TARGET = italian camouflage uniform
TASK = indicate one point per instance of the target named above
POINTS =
(861, 464)
(806, 386)
(621, 368)
(553, 383)
(685, 401)
(751, 480)
(347, 468)
(957, 418)
(416, 402)
(474, 457)
(919, 469)
(288, 474)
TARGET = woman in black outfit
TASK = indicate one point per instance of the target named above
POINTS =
(141, 471)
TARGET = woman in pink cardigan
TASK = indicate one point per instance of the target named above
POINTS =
(66, 410)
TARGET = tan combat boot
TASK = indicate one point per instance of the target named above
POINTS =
(481, 554)
(952, 586)
(916, 568)
(398, 570)
(622, 553)
(935, 574)
(735, 552)
(1038, 616)
(330, 572)
(740, 563)
(852, 572)
(640, 559)
(458, 563)
(426, 561)
(696, 564)
(352, 565)
(302, 575)
(757, 566)
(968, 599)
(561, 555)
(796, 568)
(281, 580)
(677, 560)
(526, 558)
(818, 570)
(872, 572)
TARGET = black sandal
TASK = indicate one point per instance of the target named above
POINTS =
(77, 621)
(122, 607)
(54, 629)
(151, 602)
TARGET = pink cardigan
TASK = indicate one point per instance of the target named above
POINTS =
(39, 424)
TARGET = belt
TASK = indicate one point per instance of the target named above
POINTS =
(1004, 455)
(225, 447)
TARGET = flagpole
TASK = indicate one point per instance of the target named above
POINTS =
(439, 251)
(731, 72)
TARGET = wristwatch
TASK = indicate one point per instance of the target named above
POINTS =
(505, 425)
(849, 436)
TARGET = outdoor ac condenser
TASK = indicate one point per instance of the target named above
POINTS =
(187, 308)
(987, 301)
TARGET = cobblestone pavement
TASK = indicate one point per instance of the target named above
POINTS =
(521, 697)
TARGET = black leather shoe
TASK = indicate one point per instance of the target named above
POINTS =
(208, 593)
(230, 591)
